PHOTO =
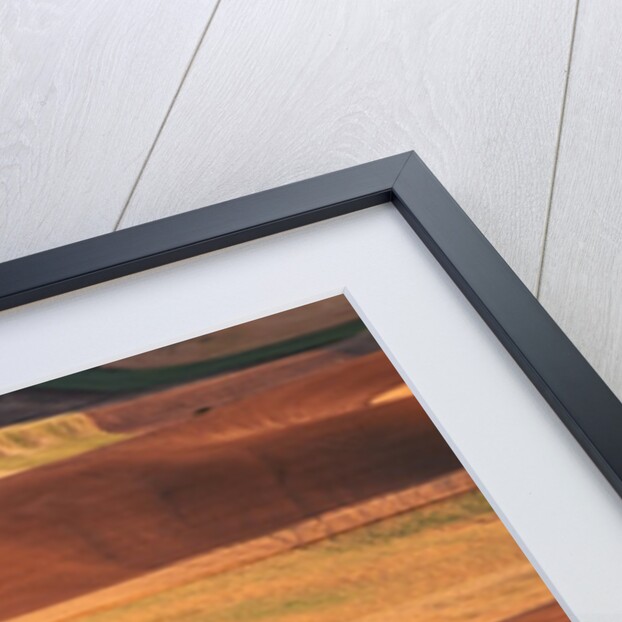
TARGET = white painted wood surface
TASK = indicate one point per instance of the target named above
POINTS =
(282, 91)
(582, 275)
(84, 87)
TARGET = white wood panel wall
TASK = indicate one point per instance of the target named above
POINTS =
(281, 91)
(113, 114)
(84, 87)
(582, 276)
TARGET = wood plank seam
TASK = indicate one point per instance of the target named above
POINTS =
(167, 114)
(547, 217)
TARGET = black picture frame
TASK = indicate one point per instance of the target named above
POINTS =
(572, 388)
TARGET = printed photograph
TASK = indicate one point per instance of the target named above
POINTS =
(277, 471)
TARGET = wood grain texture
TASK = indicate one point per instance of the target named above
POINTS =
(582, 272)
(280, 92)
(84, 87)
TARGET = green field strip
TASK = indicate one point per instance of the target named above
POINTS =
(119, 380)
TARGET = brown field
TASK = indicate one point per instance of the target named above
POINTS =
(150, 411)
(246, 471)
(43, 440)
(548, 613)
(309, 488)
(224, 559)
(448, 561)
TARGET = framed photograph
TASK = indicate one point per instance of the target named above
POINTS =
(328, 401)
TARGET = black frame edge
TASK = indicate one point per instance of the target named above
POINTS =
(572, 388)
(569, 384)
(113, 255)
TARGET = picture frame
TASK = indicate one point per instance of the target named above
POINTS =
(508, 391)
(575, 392)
